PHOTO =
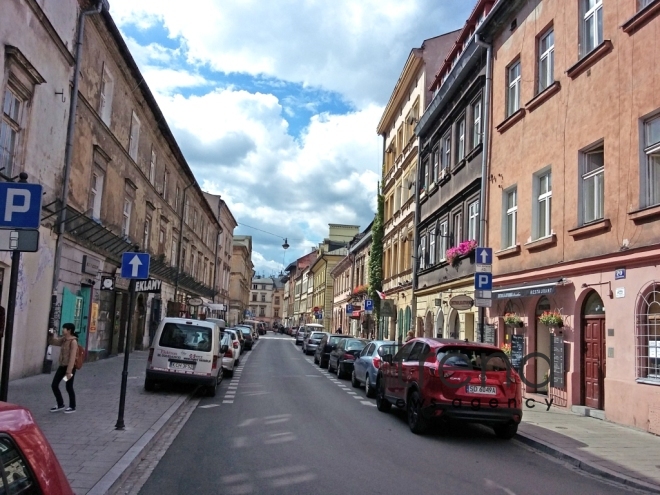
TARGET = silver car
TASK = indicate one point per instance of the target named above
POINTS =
(312, 342)
(365, 369)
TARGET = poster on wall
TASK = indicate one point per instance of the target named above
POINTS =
(517, 351)
(94, 318)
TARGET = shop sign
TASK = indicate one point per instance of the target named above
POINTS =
(94, 317)
(387, 309)
(461, 303)
(150, 285)
(122, 283)
(197, 301)
(537, 291)
(90, 265)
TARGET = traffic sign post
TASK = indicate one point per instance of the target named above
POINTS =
(483, 283)
(134, 266)
(369, 305)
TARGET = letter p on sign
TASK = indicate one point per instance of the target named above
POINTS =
(483, 281)
(12, 206)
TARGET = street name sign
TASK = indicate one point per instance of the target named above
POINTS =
(19, 240)
(483, 303)
(20, 205)
(483, 268)
(135, 265)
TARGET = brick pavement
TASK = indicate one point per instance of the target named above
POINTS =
(600, 447)
(86, 442)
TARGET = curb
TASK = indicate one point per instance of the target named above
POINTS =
(586, 466)
(123, 467)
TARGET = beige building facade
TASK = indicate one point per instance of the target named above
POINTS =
(242, 272)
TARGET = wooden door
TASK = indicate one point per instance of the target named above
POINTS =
(593, 332)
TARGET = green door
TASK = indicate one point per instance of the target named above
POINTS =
(72, 312)
(86, 294)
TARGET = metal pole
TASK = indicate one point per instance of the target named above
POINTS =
(9, 329)
(124, 373)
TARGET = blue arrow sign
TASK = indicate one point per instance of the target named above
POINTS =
(483, 281)
(369, 305)
(20, 205)
(484, 256)
(135, 265)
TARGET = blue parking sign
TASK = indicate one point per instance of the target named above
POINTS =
(20, 205)
(349, 308)
(369, 305)
(483, 281)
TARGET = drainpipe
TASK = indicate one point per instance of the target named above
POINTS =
(485, 159)
(413, 303)
(68, 155)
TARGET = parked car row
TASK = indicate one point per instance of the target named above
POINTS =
(443, 381)
(198, 352)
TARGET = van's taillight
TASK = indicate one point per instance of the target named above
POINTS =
(377, 362)
(235, 344)
(215, 362)
(229, 353)
(151, 356)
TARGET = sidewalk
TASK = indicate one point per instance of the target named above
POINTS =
(92, 453)
(619, 453)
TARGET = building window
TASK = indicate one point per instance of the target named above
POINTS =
(513, 92)
(593, 193)
(96, 194)
(461, 139)
(152, 166)
(184, 254)
(262, 311)
(276, 312)
(177, 198)
(9, 131)
(425, 174)
(543, 187)
(422, 252)
(476, 123)
(134, 137)
(277, 300)
(643, 3)
(254, 297)
(263, 297)
(126, 222)
(458, 228)
(174, 254)
(446, 152)
(166, 177)
(647, 330)
(473, 220)
(652, 152)
(147, 233)
(443, 240)
(546, 60)
(436, 163)
(511, 217)
(432, 247)
(592, 25)
(107, 90)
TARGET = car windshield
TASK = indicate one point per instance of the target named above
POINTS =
(335, 340)
(189, 337)
(388, 349)
(316, 336)
(355, 345)
(465, 357)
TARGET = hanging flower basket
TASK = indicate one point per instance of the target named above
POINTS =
(360, 289)
(463, 249)
(513, 320)
(552, 319)
(506, 349)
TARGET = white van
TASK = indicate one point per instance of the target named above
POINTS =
(185, 351)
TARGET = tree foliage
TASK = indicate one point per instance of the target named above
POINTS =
(376, 258)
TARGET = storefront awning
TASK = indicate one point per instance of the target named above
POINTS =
(528, 289)
(215, 307)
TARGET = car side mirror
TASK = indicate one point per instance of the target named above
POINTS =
(387, 358)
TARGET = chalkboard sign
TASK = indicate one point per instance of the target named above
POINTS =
(517, 351)
(489, 334)
(557, 359)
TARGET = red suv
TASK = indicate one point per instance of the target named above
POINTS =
(444, 380)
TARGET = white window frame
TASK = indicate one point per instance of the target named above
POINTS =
(651, 172)
(546, 60)
(175, 252)
(591, 37)
(432, 247)
(513, 88)
(166, 177)
(592, 179)
(476, 122)
(126, 217)
(10, 131)
(446, 151)
(444, 240)
(647, 335)
(435, 158)
(473, 220)
(642, 4)
(106, 94)
(134, 137)
(540, 198)
(146, 237)
(461, 138)
(422, 253)
(96, 193)
(152, 167)
(510, 218)
(457, 227)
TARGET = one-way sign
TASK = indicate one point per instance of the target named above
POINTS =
(484, 256)
(135, 265)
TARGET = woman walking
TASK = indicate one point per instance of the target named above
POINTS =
(66, 370)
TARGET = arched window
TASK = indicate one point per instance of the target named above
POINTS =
(543, 305)
(647, 333)
(400, 323)
(408, 322)
(439, 325)
(594, 306)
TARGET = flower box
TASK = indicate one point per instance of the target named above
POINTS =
(552, 319)
(463, 249)
(506, 349)
(513, 320)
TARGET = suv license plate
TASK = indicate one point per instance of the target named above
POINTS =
(182, 366)
(478, 389)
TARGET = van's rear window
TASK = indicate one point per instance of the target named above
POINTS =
(190, 337)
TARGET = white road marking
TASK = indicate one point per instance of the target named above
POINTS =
(227, 401)
(208, 406)
(367, 403)
(247, 422)
(352, 393)
(357, 397)
(492, 484)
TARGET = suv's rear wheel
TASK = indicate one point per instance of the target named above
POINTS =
(506, 432)
(382, 403)
(416, 421)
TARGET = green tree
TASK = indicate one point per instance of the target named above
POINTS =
(376, 259)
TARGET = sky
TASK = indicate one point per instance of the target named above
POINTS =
(275, 103)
